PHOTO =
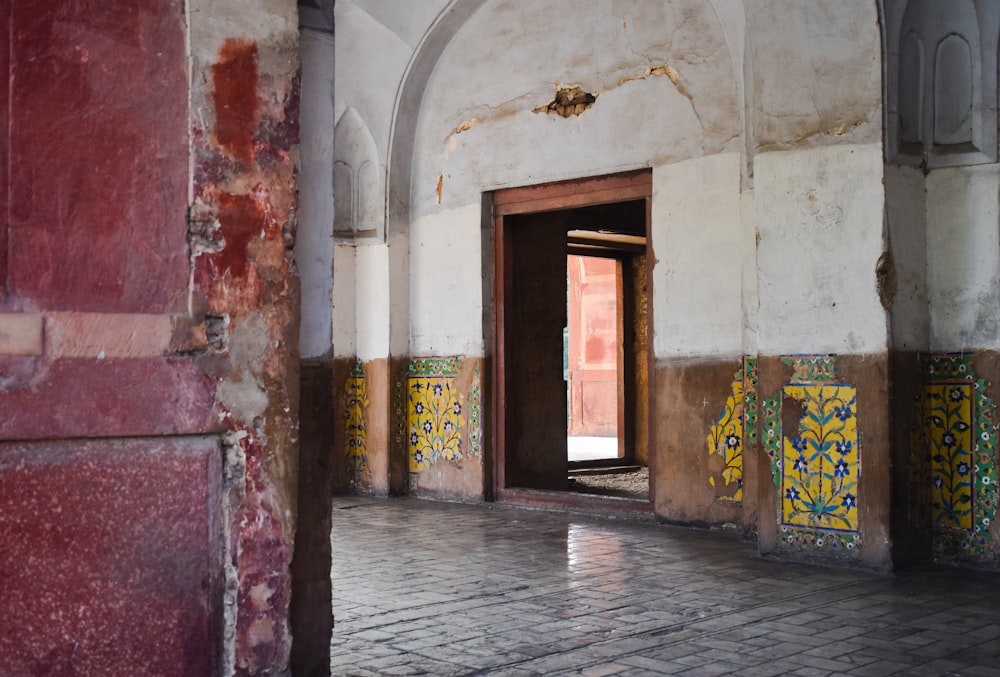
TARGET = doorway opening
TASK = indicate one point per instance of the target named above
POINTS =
(572, 378)
(593, 351)
(599, 350)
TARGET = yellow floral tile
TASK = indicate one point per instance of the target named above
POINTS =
(434, 417)
(948, 422)
(726, 440)
(355, 434)
(820, 462)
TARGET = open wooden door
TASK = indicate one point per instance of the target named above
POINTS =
(536, 314)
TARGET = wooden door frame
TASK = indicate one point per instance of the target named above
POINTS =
(586, 192)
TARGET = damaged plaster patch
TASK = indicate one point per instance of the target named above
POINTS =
(243, 393)
(452, 143)
(439, 188)
(654, 71)
(848, 127)
(885, 279)
(569, 100)
(573, 100)
(243, 400)
(466, 126)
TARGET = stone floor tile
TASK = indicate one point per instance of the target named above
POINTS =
(883, 667)
(654, 665)
(603, 670)
(449, 589)
(711, 670)
(982, 671)
(769, 669)
(824, 665)
(808, 671)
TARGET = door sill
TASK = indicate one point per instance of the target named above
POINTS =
(569, 500)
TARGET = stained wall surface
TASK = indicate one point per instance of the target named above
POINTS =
(148, 317)
(762, 125)
(794, 259)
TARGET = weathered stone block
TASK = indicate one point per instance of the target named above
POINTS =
(111, 557)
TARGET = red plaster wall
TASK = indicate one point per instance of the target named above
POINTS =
(109, 552)
(4, 152)
(83, 397)
(112, 546)
(593, 346)
(114, 516)
(99, 164)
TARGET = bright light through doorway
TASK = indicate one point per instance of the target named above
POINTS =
(592, 357)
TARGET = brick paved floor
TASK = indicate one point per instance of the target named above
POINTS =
(433, 588)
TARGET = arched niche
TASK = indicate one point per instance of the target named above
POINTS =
(955, 92)
(941, 82)
(356, 181)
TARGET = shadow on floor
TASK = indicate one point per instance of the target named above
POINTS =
(631, 484)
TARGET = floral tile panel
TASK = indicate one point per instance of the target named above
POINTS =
(434, 413)
(726, 439)
(355, 433)
(735, 428)
(958, 435)
(815, 464)
(821, 459)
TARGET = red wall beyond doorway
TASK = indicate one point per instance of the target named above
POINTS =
(592, 368)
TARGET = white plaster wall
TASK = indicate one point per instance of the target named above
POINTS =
(698, 242)
(751, 297)
(477, 130)
(815, 81)
(344, 298)
(963, 258)
(817, 73)
(314, 240)
(372, 301)
(375, 44)
(409, 19)
(505, 62)
(446, 294)
(819, 213)
(213, 21)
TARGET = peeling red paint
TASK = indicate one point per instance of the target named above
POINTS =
(261, 551)
(244, 173)
(274, 139)
(234, 78)
(253, 251)
(241, 219)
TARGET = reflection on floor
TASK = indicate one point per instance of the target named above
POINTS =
(430, 588)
